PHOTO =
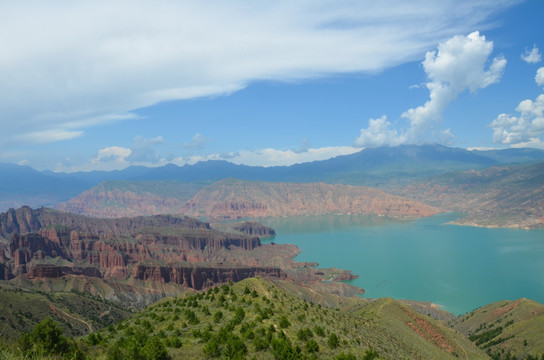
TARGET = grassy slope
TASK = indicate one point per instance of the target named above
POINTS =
(389, 327)
(506, 326)
(21, 310)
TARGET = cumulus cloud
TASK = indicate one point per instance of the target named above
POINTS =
(142, 152)
(113, 153)
(520, 130)
(460, 63)
(531, 56)
(526, 129)
(71, 65)
(539, 77)
(378, 133)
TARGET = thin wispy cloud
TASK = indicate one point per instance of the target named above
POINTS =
(68, 66)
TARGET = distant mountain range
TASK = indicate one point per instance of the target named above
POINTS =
(386, 168)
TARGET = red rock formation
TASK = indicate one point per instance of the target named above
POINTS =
(53, 271)
(202, 277)
(26, 220)
(232, 199)
(23, 247)
(254, 228)
(122, 246)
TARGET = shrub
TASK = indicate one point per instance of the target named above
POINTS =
(47, 339)
(235, 348)
(284, 323)
(312, 346)
(304, 334)
(348, 356)
(370, 354)
(217, 316)
(333, 341)
(212, 349)
(319, 330)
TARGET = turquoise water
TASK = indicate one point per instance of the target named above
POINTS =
(458, 267)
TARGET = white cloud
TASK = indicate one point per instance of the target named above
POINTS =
(70, 65)
(142, 152)
(539, 77)
(47, 136)
(458, 65)
(512, 130)
(117, 154)
(531, 56)
(272, 157)
(379, 133)
(481, 148)
(523, 130)
(531, 143)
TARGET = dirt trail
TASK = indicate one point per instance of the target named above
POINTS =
(56, 309)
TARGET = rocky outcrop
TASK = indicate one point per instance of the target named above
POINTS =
(25, 220)
(5, 272)
(23, 248)
(213, 240)
(202, 277)
(52, 271)
(161, 251)
(19, 221)
(254, 228)
(125, 248)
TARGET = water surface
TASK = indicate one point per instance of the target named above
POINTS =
(458, 267)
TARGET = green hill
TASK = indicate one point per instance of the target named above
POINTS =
(77, 313)
(255, 318)
(506, 329)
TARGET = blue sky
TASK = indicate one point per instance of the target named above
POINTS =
(109, 84)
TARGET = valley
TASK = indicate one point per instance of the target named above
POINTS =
(151, 250)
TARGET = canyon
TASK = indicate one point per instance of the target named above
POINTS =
(45, 245)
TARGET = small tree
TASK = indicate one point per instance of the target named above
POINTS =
(284, 322)
(312, 346)
(371, 354)
(217, 316)
(333, 341)
(47, 339)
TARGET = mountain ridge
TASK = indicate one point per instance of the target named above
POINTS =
(374, 167)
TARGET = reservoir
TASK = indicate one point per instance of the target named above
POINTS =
(458, 267)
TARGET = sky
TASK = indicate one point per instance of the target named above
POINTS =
(103, 85)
